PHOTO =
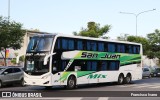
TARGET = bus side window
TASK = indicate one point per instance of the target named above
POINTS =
(111, 47)
(104, 66)
(58, 43)
(121, 48)
(100, 46)
(64, 44)
(134, 49)
(64, 64)
(88, 66)
(130, 49)
(88, 45)
(84, 44)
(70, 44)
(113, 65)
(138, 49)
(93, 46)
(94, 66)
(79, 45)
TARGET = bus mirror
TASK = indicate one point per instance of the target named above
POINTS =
(46, 58)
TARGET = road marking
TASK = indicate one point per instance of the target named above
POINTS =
(103, 98)
(128, 85)
(145, 85)
(155, 86)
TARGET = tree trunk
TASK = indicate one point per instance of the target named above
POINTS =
(5, 62)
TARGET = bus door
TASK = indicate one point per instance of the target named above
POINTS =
(56, 73)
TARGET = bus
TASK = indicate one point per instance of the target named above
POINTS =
(56, 59)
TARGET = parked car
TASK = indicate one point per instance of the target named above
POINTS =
(156, 72)
(146, 72)
(11, 75)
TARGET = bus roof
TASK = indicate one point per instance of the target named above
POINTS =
(89, 38)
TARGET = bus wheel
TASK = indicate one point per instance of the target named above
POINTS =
(71, 83)
(128, 79)
(120, 79)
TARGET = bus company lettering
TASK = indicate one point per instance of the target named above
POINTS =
(113, 56)
(91, 76)
(95, 55)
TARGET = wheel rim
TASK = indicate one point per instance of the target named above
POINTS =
(71, 83)
(128, 79)
(120, 79)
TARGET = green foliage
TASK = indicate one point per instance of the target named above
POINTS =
(11, 34)
(93, 30)
(21, 58)
(141, 40)
(13, 61)
(122, 37)
(154, 41)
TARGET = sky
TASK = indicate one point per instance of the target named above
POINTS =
(67, 16)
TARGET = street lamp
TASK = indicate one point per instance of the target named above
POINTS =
(136, 15)
(8, 10)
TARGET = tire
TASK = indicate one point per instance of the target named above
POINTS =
(71, 83)
(22, 82)
(120, 79)
(128, 79)
(149, 76)
(1, 84)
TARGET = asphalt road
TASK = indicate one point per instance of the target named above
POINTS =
(152, 84)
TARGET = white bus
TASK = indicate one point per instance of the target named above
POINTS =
(53, 59)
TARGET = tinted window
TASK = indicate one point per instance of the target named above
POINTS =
(70, 44)
(111, 47)
(9, 70)
(130, 49)
(79, 45)
(17, 70)
(94, 66)
(64, 43)
(64, 64)
(104, 66)
(100, 46)
(88, 65)
(91, 46)
(113, 65)
(121, 48)
(58, 43)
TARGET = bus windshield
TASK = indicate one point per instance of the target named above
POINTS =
(34, 65)
(40, 44)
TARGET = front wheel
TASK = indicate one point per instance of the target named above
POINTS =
(22, 82)
(71, 83)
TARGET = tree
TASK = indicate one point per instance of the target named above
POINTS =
(122, 37)
(93, 30)
(11, 35)
(154, 42)
(141, 40)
